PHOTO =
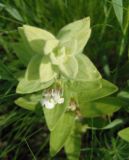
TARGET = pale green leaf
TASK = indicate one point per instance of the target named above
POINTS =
(93, 90)
(85, 86)
(25, 86)
(69, 67)
(25, 41)
(37, 38)
(29, 101)
(46, 70)
(23, 52)
(58, 56)
(50, 45)
(70, 47)
(61, 132)
(105, 88)
(104, 106)
(86, 69)
(53, 115)
(73, 143)
(32, 72)
(124, 134)
(118, 8)
(78, 30)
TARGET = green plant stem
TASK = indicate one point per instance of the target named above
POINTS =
(34, 158)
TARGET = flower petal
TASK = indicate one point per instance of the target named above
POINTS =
(49, 104)
(60, 101)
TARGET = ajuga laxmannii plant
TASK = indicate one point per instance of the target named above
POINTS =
(63, 81)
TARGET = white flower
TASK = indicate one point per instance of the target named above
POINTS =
(56, 94)
(48, 103)
(51, 98)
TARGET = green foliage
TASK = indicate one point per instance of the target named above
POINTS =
(79, 31)
(124, 134)
(32, 72)
(67, 67)
(46, 70)
(12, 11)
(26, 86)
(5, 73)
(118, 8)
(37, 38)
(61, 131)
(89, 91)
(90, 73)
(43, 61)
(29, 101)
(23, 53)
(73, 143)
(104, 106)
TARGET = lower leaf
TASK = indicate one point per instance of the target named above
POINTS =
(105, 88)
(104, 106)
(26, 86)
(73, 143)
(61, 132)
(29, 101)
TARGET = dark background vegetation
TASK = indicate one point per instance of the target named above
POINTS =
(23, 134)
